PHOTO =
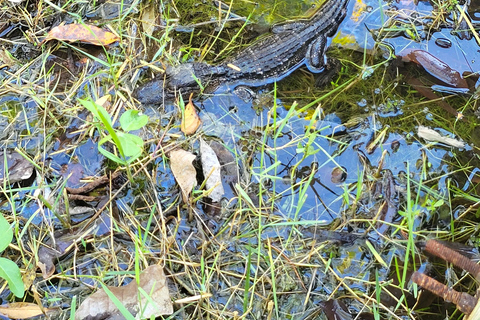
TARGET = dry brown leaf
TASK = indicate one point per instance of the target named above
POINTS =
(190, 121)
(18, 167)
(152, 282)
(211, 171)
(6, 58)
(21, 310)
(148, 20)
(83, 33)
(104, 101)
(183, 171)
(62, 242)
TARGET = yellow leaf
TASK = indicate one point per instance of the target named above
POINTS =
(190, 120)
(83, 33)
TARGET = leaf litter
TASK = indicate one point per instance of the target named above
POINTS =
(211, 171)
(190, 119)
(149, 298)
(22, 310)
(187, 241)
(183, 171)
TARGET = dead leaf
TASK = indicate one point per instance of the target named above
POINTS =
(21, 310)
(83, 33)
(183, 171)
(190, 120)
(148, 20)
(63, 241)
(18, 167)
(211, 171)
(6, 58)
(152, 282)
(432, 135)
(335, 309)
(229, 165)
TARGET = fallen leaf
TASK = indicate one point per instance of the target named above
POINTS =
(7, 58)
(148, 20)
(53, 249)
(21, 310)
(83, 33)
(156, 303)
(432, 135)
(72, 173)
(183, 171)
(211, 171)
(18, 167)
(230, 168)
(229, 165)
(190, 120)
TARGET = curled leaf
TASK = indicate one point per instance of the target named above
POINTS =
(190, 120)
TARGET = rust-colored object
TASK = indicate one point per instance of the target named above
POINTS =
(435, 67)
(466, 303)
(442, 251)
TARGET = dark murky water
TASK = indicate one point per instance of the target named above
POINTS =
(348, 136)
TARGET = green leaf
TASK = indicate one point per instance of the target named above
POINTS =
(98, 111)
(132, 145)
(6, 232)
(132, 120)
(11, 272)
(111, 156)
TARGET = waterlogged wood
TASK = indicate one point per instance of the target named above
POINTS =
(190, 120)
(211, 172)
(21, 310)
(435, 67)
(156, 303)
(183, 171)
(81, 32)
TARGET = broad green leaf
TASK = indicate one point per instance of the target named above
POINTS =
(10, 272)
(6, 232)
(132, 120)
(132, 145)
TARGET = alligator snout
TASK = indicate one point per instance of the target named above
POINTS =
(177, 80)
(152, 92)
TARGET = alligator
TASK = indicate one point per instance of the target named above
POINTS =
(270, 59)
